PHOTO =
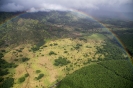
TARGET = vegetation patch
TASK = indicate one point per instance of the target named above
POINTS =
(39, 76)
(22, 79)
(38, 71)
(78, 46)
(25, 59)
(1, 79)
(8, 83)
(61, 61)
(52, 53)
(38, 45)
(5, 65)
(97, 75)
(26, 75)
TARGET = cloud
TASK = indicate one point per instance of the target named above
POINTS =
(11, 7)
(42, 5)
(47, 7)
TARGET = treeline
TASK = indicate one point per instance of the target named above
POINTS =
(110, 51)
(117, 22)
(107, 74)
(8, 83)
(128, 42)
(122, 68)
(61, 61)
(4, 66)
(39, 26)
(24, 31)
(126, 38)
(8, 15)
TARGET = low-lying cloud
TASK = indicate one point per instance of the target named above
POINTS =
(63, 5)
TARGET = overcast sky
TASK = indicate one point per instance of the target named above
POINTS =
(63, 5)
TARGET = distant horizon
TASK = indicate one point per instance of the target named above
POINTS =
(89, 5)
(98, 13)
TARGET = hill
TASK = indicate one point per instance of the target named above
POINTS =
(49, 49)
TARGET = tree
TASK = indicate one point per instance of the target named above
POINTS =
(39, 76)
(22, 79)
(61, 61)
(8, 83)
(52, 53)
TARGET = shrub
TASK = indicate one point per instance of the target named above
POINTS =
(65, 51)
(68, 69)
(55, 44)
(3, 50)
(78, 46)
(21, 55)
(51, 44)
(38, 71)
(35, 49)
(22, 79)
(42, 55)
(39, 76)
(15, 59)
(85, 55)
(88, 47)
(26, 75)
(61, 61)
(52, 53)
(19, 50)
(45, 46)
(25, 59)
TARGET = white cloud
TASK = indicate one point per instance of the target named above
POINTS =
(53, 7)
(47, 7)
(32, 10)
(34, 5)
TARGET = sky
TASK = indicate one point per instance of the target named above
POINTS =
(64, 5)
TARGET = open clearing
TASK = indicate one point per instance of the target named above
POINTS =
(77, 51)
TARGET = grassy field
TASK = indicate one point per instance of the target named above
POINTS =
(78, 52)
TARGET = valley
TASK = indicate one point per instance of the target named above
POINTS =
(63, 50)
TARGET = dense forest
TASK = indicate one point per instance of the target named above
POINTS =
(106, 74)
(126, 38)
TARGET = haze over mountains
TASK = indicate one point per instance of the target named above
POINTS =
(111, 14)
(114, 9)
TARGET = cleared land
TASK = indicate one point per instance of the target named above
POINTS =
(78, 52)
